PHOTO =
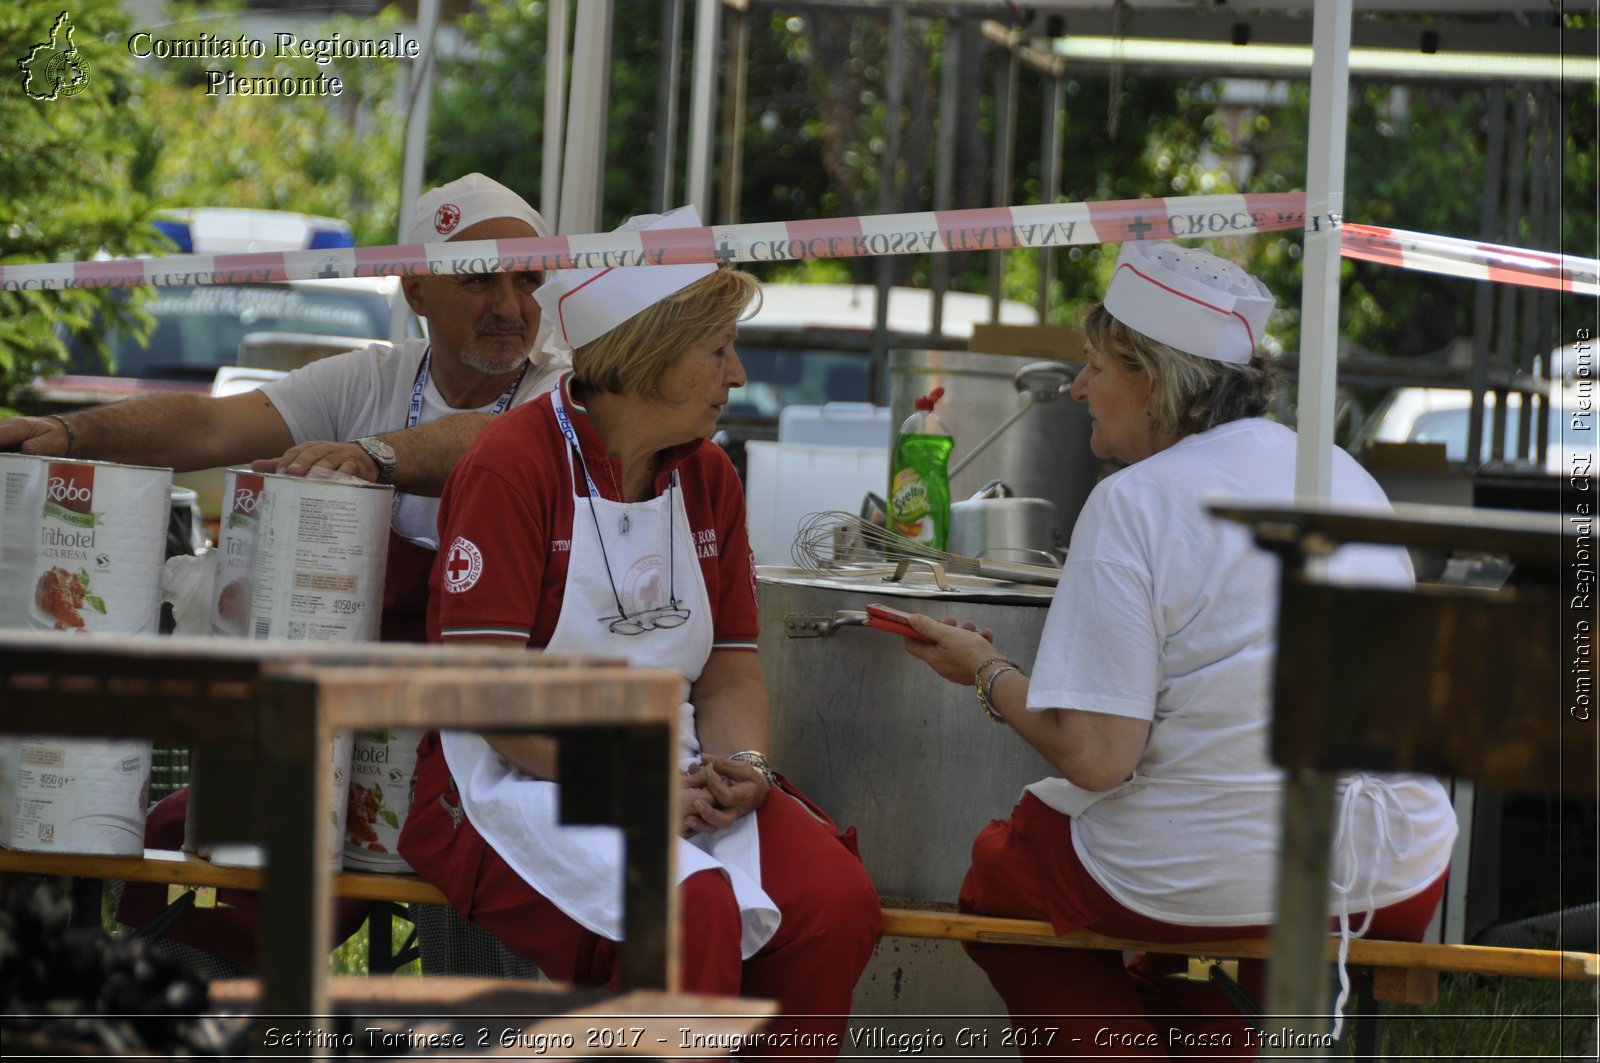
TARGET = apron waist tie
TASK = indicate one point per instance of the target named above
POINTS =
(1362, 875)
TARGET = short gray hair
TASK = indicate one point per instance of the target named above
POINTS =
(1188, 394)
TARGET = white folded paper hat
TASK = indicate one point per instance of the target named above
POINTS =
(587, 303)
(444, 211)
(1189, 299)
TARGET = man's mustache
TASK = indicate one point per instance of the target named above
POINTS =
(500, 324)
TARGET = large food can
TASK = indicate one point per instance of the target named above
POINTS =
(100, 538)
(73, 795)
(321, 546)
(84, 543)
(240, 854)
(22, 479)
(382, 773)
(316, 575)
(231, 591)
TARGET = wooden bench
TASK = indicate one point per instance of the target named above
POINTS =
(1403, 972)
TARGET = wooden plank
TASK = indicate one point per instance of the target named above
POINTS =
(1477, 959)
(185, 869)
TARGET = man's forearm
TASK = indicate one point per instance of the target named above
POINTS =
(182, 432)
(425, 455)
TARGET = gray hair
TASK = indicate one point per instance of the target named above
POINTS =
(1188, 394)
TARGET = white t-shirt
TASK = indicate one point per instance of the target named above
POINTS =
(368, 392)
(1168, 614)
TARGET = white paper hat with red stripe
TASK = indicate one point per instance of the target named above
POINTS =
(585, 304)
(442, 212)
(1189, 299)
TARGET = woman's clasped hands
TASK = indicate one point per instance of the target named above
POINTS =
(717, 791)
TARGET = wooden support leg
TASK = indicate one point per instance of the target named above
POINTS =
(628, 777)
(294, 899)
(1297, 977)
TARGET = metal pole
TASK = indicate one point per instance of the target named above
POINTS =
(703, 103)
(1297, 991)
(888, 172)
(1005, 136)
(1529, 438)
(1504, 355)
(1319, 297)
(733, 117)
(1483, 299)
(665, 173)
(945, 165)
(1050, 153)
(555, 111)
(584, 168)
(418, 106)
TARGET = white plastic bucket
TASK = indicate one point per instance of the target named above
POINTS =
(321, 546)
(382, 773)
(74, 795)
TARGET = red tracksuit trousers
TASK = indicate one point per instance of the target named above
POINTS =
(1089, 1003)
(831, 918)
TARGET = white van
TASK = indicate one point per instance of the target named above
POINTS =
(1442, 415)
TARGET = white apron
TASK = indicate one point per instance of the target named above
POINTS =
(580, 869)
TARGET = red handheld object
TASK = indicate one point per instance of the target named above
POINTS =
(893, 621)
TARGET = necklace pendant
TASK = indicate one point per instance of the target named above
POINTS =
(622, 525)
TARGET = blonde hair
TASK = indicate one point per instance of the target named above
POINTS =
(633, 356)
(1188, 393)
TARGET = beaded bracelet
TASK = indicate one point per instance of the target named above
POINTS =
(72, 437)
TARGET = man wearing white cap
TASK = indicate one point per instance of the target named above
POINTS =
(401, 415)
(601, 520)
(1150, 691)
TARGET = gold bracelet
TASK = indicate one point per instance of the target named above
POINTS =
(983, 695)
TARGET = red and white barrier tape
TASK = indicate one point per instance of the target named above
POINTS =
(983, 229)
(1471, 259)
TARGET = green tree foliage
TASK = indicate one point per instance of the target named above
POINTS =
(84, 174)
(334, 155)
(74, 187)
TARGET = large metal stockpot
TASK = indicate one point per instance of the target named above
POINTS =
(877, 739)
(1044, 454)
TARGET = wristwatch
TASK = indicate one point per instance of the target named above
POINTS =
(382, 455)
(758, 761)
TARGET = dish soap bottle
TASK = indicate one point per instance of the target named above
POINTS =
(919, 478)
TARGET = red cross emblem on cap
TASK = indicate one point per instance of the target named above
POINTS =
(446, 218)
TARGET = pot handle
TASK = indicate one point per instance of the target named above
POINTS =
(814, 626)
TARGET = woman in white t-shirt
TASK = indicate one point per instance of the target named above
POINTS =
(1151, 692)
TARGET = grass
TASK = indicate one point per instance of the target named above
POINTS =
(1496, 1018)
(351, 957)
